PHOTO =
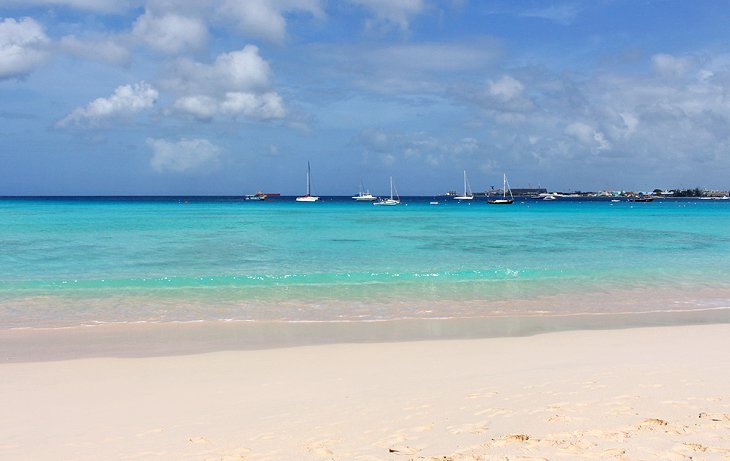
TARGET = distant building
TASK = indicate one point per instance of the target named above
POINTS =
(529, 192)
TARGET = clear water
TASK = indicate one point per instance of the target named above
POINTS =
(84, 261)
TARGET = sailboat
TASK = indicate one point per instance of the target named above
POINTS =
(307, 198)
(467, 190)
(389, 201)
(364, 196)
(504, 200)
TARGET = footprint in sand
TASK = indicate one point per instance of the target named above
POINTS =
(320, 449)
(198, 440)
(652, 423)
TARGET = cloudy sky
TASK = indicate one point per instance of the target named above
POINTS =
(233, 96)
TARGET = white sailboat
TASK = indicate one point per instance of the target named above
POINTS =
(308, 197)
(504, 200)
(389, 201)
(364, 196)
(467, 190)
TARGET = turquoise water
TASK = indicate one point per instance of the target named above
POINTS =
(81, 261)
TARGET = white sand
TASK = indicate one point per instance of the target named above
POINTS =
(647, 393)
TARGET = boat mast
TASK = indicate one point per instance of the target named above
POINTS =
(307, 178)
(464, 183)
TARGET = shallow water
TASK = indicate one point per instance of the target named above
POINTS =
(89, 261)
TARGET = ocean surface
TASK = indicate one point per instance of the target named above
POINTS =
(87, 261)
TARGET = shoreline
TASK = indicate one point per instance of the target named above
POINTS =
(639, 393)
(187, 338)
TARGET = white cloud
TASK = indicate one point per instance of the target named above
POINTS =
(170, 32)
(505, 98)
(506, 88)
(265, 18)
(126, 101)
(242, 70)
(670, 66)
(264, 106)
(22, 47)
(588, 136)
(398, 12)
(667, 127)
(235, 84)
(182, 156)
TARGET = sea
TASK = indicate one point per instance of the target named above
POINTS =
(84, 261)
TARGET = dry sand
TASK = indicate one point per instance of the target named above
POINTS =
(644, 393)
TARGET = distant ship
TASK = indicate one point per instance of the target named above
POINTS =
(467, 190)
(504, 200)
(307, 197)
(257, 196)
(364, 196)
(389, 201)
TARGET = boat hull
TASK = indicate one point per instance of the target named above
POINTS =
(501, 202)
(307, 198)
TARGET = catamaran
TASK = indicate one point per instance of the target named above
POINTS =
(308, 197)
(364, 196)
(504, 200)
(389, 201)
(467, 190)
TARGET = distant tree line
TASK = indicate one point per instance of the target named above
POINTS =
(696, 192)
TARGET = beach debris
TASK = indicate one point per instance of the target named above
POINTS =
(518, 437)
(405, 450)
(722, 417)
(649, 423)
(695, 446)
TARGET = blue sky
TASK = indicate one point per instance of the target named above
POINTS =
(229, 97)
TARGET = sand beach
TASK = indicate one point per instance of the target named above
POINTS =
(632, 394)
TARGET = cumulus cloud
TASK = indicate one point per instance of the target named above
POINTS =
(669, 121)
(169, 32)
(505, 88)
(505, 98)
(670, 66)
(182, 156)
(397, 12)
(127, 100)
(588, 136)
(22, 47)
(235, 84)
(265, 18)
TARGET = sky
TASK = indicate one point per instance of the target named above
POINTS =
(228, 97)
